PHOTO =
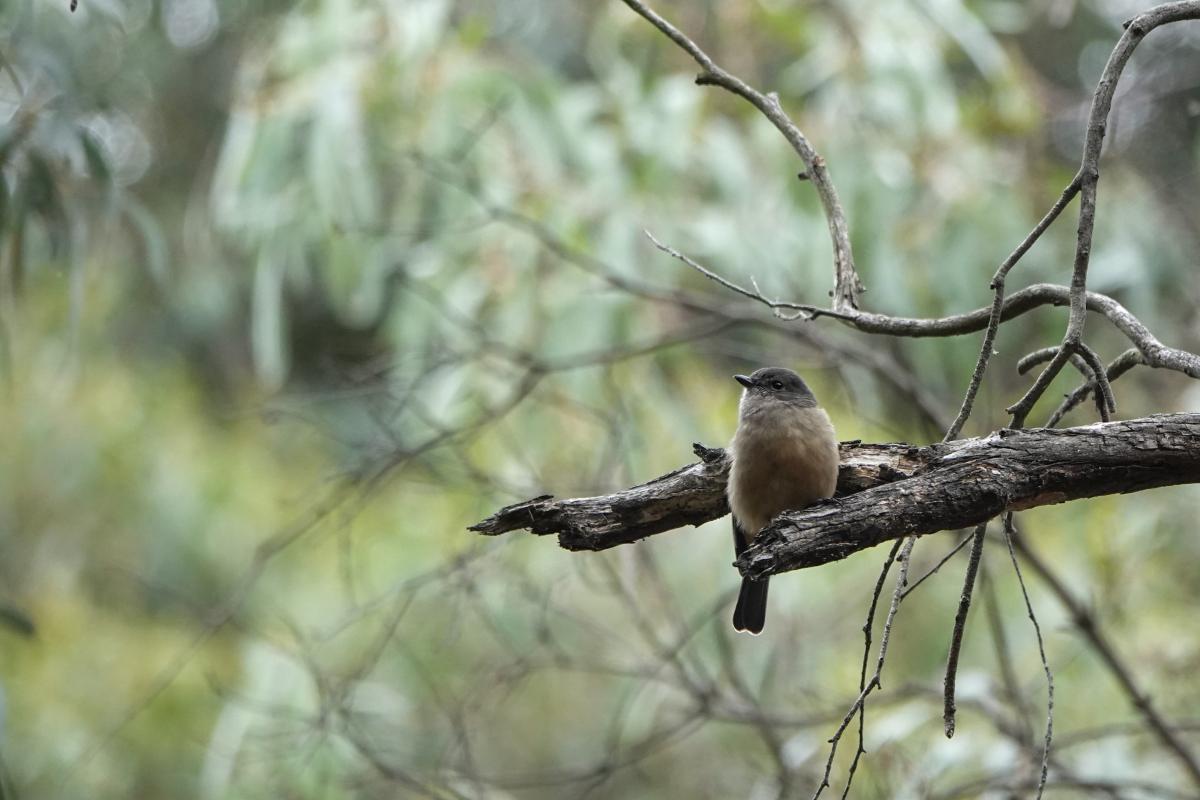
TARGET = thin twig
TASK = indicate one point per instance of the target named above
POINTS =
(1041, 356)
(847, 285)
(862, 675)
(1084, 359)
(932, 570)
(803, 311)
(1105, 402)
(1116, 368)
(1020, 409)
(1086, 624)
(1009, 535)
(904, 557)
(993, 324)
(960, 625)
(1044, 354)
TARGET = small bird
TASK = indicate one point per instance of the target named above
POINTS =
(785, 457)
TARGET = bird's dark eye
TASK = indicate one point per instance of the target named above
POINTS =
(777, 385)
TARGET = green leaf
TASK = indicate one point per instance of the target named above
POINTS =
(154, 243)
(267, 319)
(97, 160)
(4, 202)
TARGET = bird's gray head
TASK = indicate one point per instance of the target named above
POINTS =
(773, 387)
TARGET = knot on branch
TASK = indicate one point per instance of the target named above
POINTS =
(709, 455)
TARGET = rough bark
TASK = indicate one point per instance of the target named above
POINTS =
(885, 491)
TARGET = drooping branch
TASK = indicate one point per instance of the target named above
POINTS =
(847, 285)
(1086, 623)
(1087, 178)
(885, 491)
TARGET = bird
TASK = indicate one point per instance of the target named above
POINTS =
(785, 457)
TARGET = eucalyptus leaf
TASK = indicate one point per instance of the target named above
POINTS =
(268, 322)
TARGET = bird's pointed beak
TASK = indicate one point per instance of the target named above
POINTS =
(744, 380)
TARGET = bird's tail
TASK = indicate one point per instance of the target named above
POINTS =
(750, 613)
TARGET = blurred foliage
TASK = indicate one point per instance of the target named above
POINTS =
(290, 293)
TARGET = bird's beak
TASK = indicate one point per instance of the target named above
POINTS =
(744, 381)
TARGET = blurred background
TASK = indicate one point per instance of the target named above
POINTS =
(292, 293)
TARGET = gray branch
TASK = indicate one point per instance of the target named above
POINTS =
(846, 283)
(885, 491)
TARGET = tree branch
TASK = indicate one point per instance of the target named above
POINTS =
(846, 284)
(691, 495)
(1088, 178)
(885, 491)
(1086, 623)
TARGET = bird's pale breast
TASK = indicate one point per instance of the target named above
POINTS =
(786, 465)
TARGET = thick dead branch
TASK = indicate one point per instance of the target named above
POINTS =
(972, 480)
(886, 491)
(691, 495)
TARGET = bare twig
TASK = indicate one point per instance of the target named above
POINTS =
(903, 557)
(1020, 409)
(1088, 363)
(1039, 294)
(1009, 535)
(1086, 624)
(1105, 402)
(806, 312)
(1116, 368)
(1089, 176)
(960, 625)
(862, 675)
(994, 317)
(941, 563)
(847, 285)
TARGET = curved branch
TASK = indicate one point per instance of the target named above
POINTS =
(1089, 170)
(885, 491)
(1039, 294)
(1115, 369)
(846, 284)
(1086, 623)
(1089, 176)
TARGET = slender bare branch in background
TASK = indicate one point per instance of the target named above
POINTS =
(996, 315)
(1086, 624)
(847, 285)
(1010, 533)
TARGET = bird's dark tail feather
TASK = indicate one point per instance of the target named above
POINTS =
(750, 614)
